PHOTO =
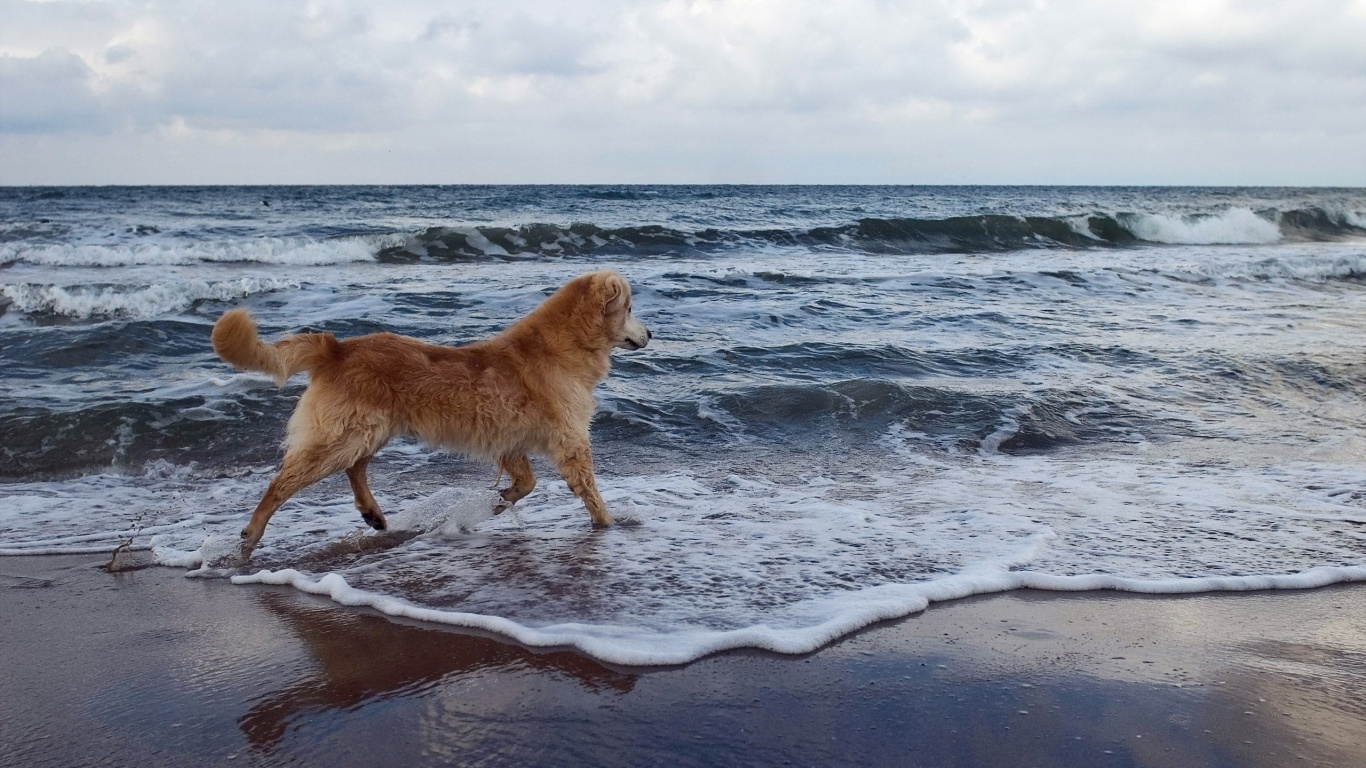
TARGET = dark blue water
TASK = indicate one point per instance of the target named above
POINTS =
(893, 215)
(852, 391)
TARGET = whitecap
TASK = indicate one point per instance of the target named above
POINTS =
(96, 301)
(266, 250)
(1233, 226)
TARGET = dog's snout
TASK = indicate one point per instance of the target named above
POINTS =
(634, 334)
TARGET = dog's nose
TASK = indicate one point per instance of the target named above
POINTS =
(649, 334)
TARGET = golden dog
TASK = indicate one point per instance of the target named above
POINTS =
(527, 390)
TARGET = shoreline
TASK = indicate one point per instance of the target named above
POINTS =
(893, 602)
(150, 668)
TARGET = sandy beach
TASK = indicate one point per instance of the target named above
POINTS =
(150, 668)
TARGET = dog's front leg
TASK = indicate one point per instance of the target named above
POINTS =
(574, 459)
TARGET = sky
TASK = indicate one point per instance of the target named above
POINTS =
(1206, 92)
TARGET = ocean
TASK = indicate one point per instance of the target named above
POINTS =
(858, 400)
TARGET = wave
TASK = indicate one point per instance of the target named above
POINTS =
(1236, 226)
(241, 425)
(1312, 267)
(296, 251)
(105, 301)
(754, 564)
(129, 345)
(642, 647)
(748, 562)
(957, 419)
(237, 430)
(791, 566)
(962, 234)
(964, 402)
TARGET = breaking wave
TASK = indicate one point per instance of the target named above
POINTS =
(1235, 226)
(295, 251)
(960, 234)
(101, 301)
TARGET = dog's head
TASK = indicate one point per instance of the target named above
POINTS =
(622, 328)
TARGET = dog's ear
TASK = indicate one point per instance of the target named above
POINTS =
(615, 292)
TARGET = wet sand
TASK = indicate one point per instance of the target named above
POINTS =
(149, 668)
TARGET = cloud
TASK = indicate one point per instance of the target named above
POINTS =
(46, 93)
(768, 89)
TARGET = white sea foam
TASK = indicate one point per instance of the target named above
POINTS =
(746, 561)
(752, 563)
(87, 301)
(217, 549)
(1232, 227)
(1289, 267)
(476, 238)
(1006, 429)
(1312, 262)
(266, 250)
(449, 511)
(170, 514)
(1082, 226)
(749, 562)
(634, 646)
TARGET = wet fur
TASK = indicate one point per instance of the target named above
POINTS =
(528, 390)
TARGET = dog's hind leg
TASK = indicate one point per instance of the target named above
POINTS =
(365, 502)
(302, 467)
(518, 469)
(574, 459)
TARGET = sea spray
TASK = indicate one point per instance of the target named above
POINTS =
(448, 512)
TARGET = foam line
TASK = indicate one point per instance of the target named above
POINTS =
(629, 647)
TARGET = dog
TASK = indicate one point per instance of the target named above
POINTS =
(527, 390)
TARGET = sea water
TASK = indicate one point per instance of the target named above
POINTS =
(858, 400)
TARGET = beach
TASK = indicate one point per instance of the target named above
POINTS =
(657, 383)
(150, 668)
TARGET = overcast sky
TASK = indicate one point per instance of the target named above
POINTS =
(647, 91)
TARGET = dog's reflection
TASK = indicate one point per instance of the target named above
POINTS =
(362, 658)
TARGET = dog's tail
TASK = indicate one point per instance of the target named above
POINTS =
(235, 340)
